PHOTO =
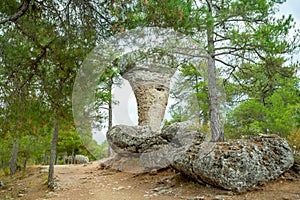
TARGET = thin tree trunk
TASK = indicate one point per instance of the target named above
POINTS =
(110, 114)
(73, 156)
(45, 158)
(52, 154)
(262, 101)
(26, 155)
(65, 158)
(56, 159)
(2, 158)
(14, 157)
(215, 122)
(198, 115)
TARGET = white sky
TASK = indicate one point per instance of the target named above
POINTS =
(126, 111)
(292, 7)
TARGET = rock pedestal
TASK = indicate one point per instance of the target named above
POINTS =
(150, 81)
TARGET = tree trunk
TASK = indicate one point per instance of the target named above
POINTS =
(26, 154)
(73, 156)
(262, 101)
(65, 158)
(109, 154)
(215, 122)
(14, 157)
(198, 115)
(52, 154)
(2, 158)
(56, 159)
(45, 158)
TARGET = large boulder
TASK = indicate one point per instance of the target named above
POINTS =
(236, 165)
(141, 139)
(152, 149)
(134, 139)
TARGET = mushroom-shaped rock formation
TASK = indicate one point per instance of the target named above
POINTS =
(149, 76)
(148, 57)
(148, 62)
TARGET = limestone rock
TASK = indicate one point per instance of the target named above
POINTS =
(121, 162)
(153, 150)
(81, 159)
(134, 139)
(149, 77)
(141, 139)
(78, 159)
(236, 165)
(179, 136)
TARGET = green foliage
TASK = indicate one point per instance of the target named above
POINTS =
(40, 55)
(271, 107)
(143, 13)
(246, 119)
(190, 94)
(68, 140)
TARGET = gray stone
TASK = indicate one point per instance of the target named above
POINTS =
(153, 150)
(78, 159)
(134, 139)
(141, 139)
(236, 165)
(81, 159)
(122, 162)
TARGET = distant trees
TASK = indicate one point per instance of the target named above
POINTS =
(268, 101)
(190, 93)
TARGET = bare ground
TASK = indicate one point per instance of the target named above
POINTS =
(89, 182)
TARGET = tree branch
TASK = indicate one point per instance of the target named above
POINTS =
(227, 64)
(18, 14)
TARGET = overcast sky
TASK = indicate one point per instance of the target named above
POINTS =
(291, 7)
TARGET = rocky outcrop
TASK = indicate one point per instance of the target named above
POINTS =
(236, 165)
(152, 150)
(141, 139)
(134, 139)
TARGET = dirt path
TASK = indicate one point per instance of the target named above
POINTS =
(88, 182)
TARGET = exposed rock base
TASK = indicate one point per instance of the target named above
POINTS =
(236, 165)
(153, 150)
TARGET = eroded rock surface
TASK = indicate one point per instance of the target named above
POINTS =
(140, 139)
(134, 139)
(236, 165)
(152, 149)
(150, 79)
